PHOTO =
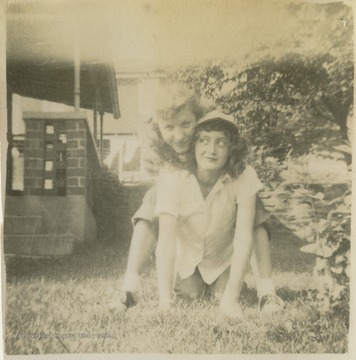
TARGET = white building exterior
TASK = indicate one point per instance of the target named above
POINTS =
(137, 92)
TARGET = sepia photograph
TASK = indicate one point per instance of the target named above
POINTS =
(176, 177)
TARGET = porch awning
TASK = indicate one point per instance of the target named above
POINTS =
(41, 43)
(54, 81)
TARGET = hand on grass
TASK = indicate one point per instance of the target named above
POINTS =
(131, 291)
(231, 309)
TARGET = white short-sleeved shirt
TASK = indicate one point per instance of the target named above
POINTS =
(206, 227)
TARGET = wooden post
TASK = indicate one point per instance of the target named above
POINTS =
(101, 135)
(8, 184)
(95, 124)
(77, 77)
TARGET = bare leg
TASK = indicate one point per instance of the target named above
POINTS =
(261, 257)
(143, 243)
(261, 265)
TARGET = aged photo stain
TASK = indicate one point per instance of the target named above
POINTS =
(177, 177)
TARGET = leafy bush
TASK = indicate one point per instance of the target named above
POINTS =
(268, 168)
(286, 103)
(314, 201)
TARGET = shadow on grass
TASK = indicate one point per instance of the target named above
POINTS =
(89, 261)
(108, 259)
(249, 295)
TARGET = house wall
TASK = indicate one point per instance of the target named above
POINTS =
(34, 157)
(40, 222)
(77, 159)
(46, 225)
(137, 93)
(76, 152)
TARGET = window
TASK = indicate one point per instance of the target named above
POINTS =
(49, 129)
(48, 165)
(18, 163)
(62, 138)
(49, 146)
(131, 156)
(48, 184)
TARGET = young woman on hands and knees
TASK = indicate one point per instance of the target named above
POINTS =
(207, 218)
(169, 142)
(166, 147)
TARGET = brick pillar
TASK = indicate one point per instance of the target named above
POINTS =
(76, 157)
(34, 157)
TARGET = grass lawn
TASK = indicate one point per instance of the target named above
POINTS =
(66, 306)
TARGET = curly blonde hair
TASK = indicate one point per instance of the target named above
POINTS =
(171, 99)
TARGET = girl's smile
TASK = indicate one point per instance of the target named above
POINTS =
(212, 150)
(177, 131)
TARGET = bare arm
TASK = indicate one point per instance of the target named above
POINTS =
(242, 250)
(165, 258)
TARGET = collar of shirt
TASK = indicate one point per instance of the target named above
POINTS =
(223, 179)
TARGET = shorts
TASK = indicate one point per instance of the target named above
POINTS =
(194, 286)
(147, 210)
(261, 215)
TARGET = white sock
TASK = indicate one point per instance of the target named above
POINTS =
(265, 287)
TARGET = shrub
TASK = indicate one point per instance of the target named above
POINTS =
(268, 168)
(314, 201)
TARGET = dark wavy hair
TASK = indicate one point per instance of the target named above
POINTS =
(238, 150)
